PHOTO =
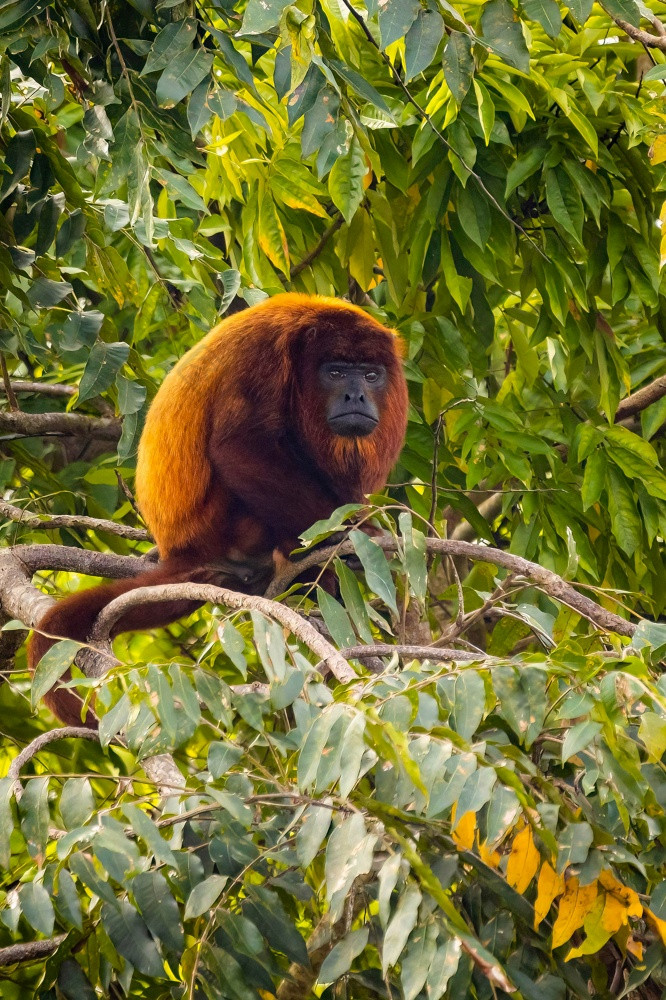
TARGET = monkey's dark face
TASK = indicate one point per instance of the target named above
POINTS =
(353, 393)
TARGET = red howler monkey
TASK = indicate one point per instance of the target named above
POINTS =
(278, 416)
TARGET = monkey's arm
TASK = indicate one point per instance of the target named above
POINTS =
(280, 492)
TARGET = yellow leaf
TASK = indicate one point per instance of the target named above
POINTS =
(464, 831)
(629, 899)
(634, 947)
(657, 152)
(488, 856)
(596, 935)
(549, 886)
(523, 861)
(656, 924)
(575, 905)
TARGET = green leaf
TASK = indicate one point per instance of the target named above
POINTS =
(340, 958)
(652, 731)
(626, 10)
(131, 938)
(169, 43)
(657, 72)
(625, 520)
(594, 478)
(56, 661)
(345, 182)
(6, 819)
(271, 234)
(37, 907)
(581, 9)
(396, 18)
(524, 166)
(182, 75)
(18, 157)
(144, 827)
(458, 64)
(67, 900)
(158, 908)
(77, 803)
(400, 927)
(578, 737)
(415, 556)
(73, 982)
(574, 844)
(336, 619)
(503, 34)
(34, 811)
(564, 203)
(260, 15)
(486, 109)
(546, 13)
(103, 365)
(204, 895)
(422, 41)
(80, 329)
(47, 293)
(315, 825)
(376, 568)
(468, 703)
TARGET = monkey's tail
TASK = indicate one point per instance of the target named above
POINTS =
(73, 618)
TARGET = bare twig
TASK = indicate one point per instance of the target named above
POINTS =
(7, 385)
(30, 951)
(56, 521)
(314, 253)
(21, 424)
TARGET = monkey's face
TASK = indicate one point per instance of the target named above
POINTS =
(353, 393)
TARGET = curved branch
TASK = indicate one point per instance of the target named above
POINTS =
(56, 521)
(67, 732)
(22, 424)
(545, 579)
(333, 660)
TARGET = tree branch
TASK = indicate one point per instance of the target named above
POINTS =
(56, 521)
(30, 951)
(638, 35)
(314, 253)
(22, 424)
(67, 559)
(303, 630)
(57, 389)
(411, 653)
(543, 578)
(33, 748)
(642, 398)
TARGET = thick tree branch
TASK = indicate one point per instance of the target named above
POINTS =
(56, 389)
(30, 951)
(56, 521)
(67, 559)
(411, 653)
(21, 424)
(638, 34)
(642, 398)
(302, 629)
(33, 748)
(543, 578)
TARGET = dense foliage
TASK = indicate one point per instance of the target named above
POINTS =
(488, 178)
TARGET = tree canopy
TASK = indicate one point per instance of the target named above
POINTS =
(472, 806)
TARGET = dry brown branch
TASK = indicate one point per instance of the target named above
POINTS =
(56, 521)
(30, 951)
(23, 424)
(539, 576)
(642, 398)
(303, 630)
(87, 561)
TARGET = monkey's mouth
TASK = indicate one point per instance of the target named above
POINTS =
(353, 424)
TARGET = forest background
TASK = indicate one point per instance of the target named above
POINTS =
(476, 818)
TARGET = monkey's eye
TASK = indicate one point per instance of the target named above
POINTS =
(371, 376)
(335, 373)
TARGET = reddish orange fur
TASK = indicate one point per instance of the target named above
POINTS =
(237, 459)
